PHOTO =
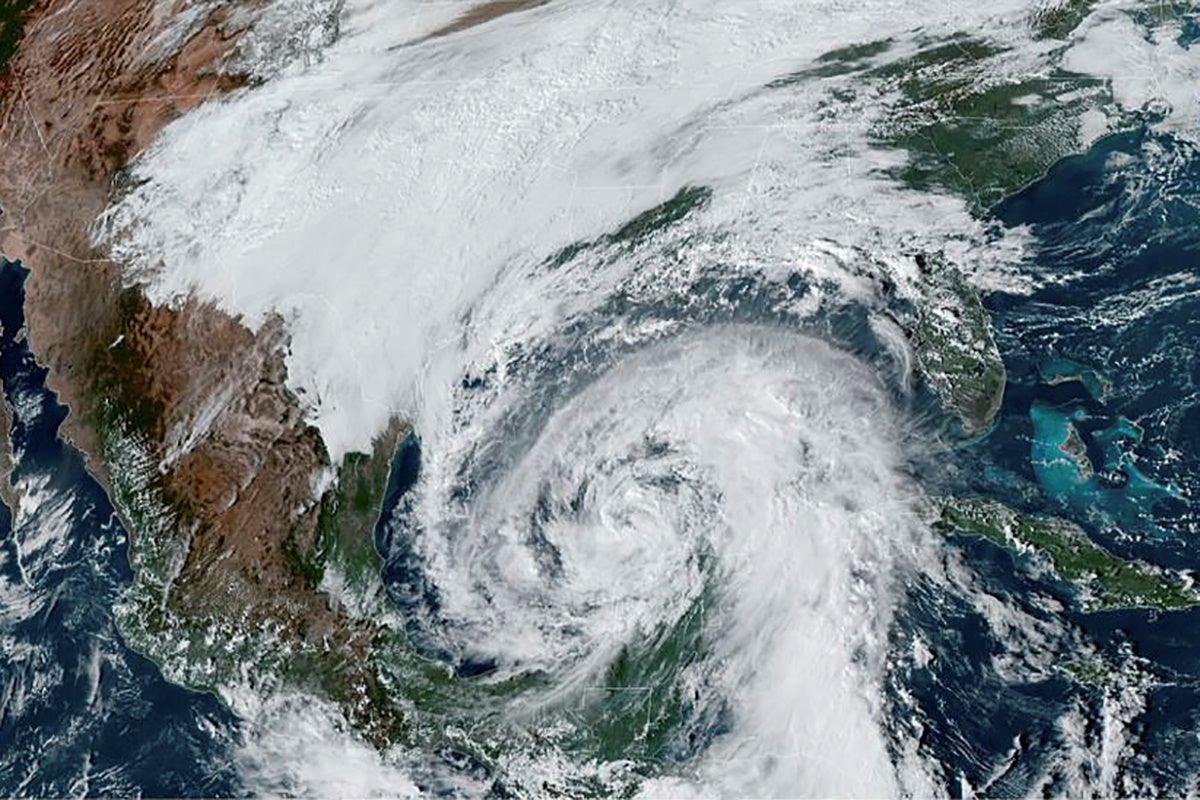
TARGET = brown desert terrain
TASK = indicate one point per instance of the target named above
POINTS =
(85, 93)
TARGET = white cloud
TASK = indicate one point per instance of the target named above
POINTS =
(371, 197)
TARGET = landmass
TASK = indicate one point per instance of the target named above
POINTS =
(968, 124)
(1087, 458)
(1093, 671)
(247, 543)
(252, 552)
(1102, 580)
(951, 334)
(477, 15)
(1059, 371)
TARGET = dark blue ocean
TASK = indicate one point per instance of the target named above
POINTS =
(80, 714)
(1110, 340)
(1107, 341)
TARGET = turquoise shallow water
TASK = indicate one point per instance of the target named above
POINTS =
(1108, 344)
(1089, 463)
(1101, 424)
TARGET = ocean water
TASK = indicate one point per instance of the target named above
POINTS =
(700, 420)
(1108, 341)
(1117, 255)
(80, 714)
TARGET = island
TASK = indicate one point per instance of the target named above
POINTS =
(1101, 580)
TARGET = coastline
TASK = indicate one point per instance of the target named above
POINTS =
(181, 413)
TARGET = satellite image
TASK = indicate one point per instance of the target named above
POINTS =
(600, 398)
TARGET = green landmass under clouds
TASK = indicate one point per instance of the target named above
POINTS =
(1104, 581)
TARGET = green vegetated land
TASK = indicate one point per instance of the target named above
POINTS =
(973, 127)
(952, 337)
(12, 26)
(1095, 672)
(979, 134)
(968, 123)
(1104, 580)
